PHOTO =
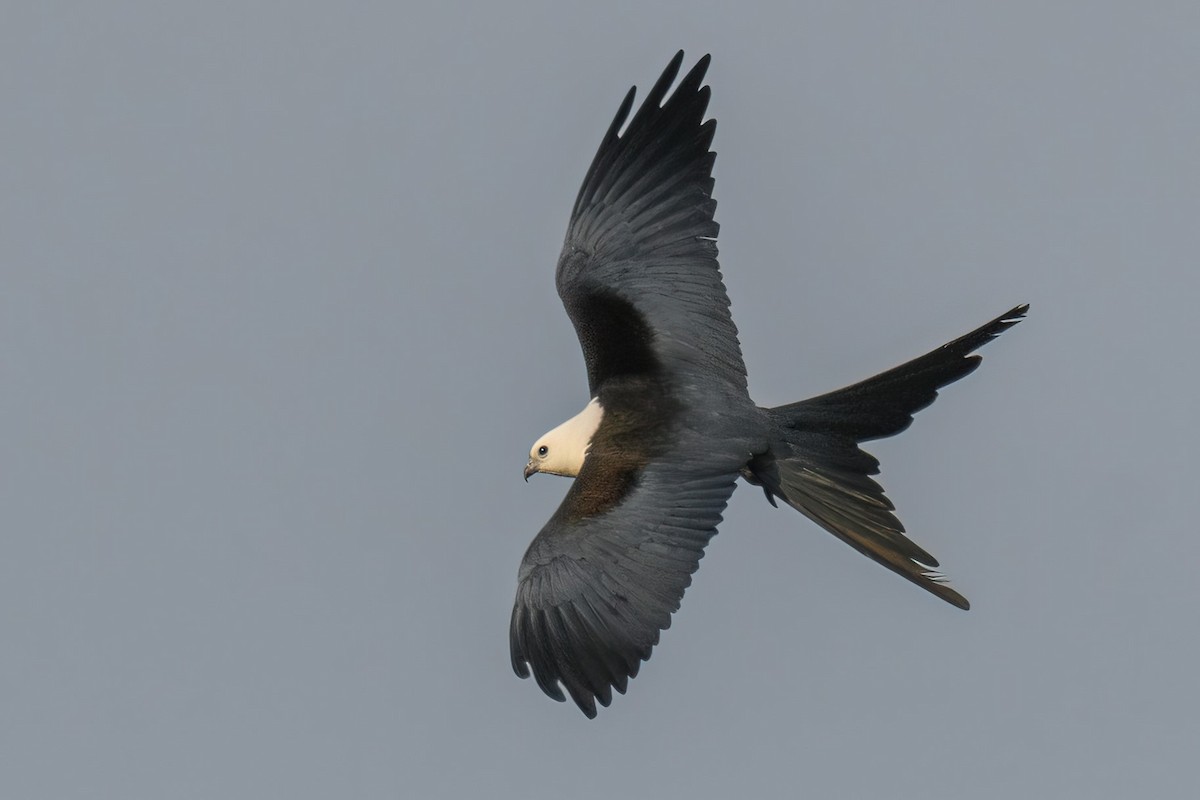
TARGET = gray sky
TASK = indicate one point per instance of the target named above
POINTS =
(278, 325)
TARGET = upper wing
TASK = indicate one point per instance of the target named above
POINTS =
(638, 272)
(595, 591)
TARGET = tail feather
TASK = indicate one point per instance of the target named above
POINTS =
(817, 467)
(885, 404)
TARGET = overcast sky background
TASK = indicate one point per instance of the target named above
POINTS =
(278, 326)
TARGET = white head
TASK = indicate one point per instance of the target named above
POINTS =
(562, 450)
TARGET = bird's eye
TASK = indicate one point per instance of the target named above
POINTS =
(543, 450)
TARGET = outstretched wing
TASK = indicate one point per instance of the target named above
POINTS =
(594, 592)
(639, 278)
(638, 272)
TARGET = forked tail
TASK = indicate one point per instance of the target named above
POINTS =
(816, 466)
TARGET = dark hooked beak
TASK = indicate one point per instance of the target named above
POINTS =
(530, 468)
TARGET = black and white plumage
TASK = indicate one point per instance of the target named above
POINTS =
(671, 426)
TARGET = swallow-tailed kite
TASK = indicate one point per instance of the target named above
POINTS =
(670, 425)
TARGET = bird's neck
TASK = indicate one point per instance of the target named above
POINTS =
(575, 436)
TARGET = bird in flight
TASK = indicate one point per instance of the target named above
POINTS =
(671, 426)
